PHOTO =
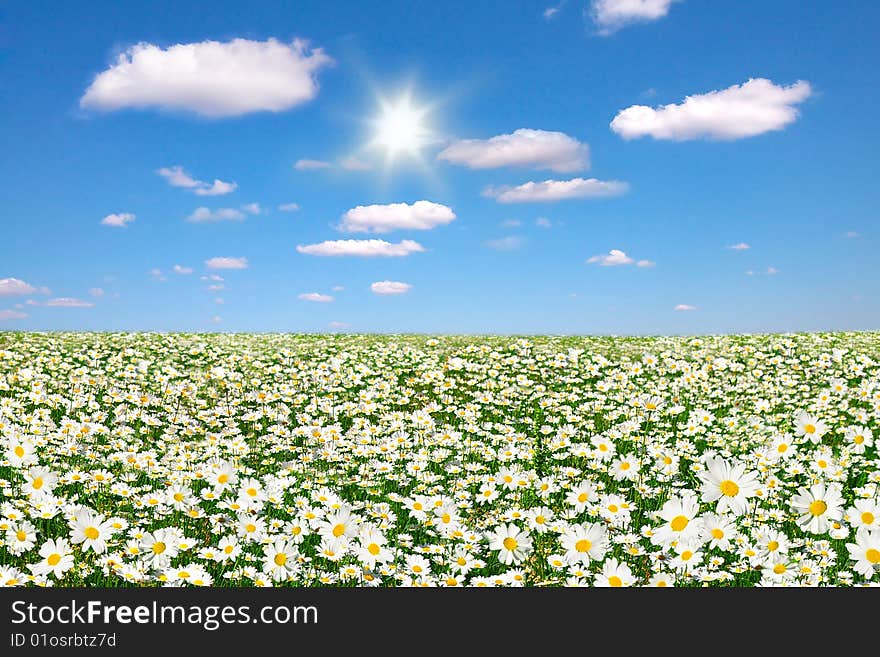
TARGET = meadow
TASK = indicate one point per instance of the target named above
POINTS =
(352, 460)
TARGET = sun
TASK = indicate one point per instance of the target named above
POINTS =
(400, 128)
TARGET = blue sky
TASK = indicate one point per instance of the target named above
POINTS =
(672, 131)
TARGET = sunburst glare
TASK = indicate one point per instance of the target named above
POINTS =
(400, 128)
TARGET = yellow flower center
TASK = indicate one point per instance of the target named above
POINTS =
(783, 447)
(679, 523)
(53, 559)
(339, 530)
(686, 555)
(661, 584)
(624, 465)
(20, 535)
(717, 533)
(818, 507)
(540, 520)
(613, 508)
(252, 492)
(91, 533)
(773, 546)
(19, 451)
(615, 581)
(228, 549)
(779, 568)
(280, 559)
(510, 543)
(583, 497)
(178, 497)
(373, 549)
(38, 483)
(809, 428)
(729, 488)
(250, 528)
(583, 545)
(159, 547)
(858, 440)
(873, 555)
(223, 478)
(867, 518)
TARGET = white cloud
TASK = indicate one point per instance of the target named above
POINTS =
(308, 165)
(363, 248)
(212, 277)
(556, 190)
(177, 177)
(223, 262)
(11, 314)
(180, 269)
(742, 110)
(13, 286)
(67, 302)
(543, 222)
(421, 215)
(219, 301)
(511, 223)
(217, 188)
(289, 207)
(535, 149)
(616, 258)
(741, 246)
(390, 287)
(317, 297)
(851, 234)
(157, 274)
(770, 271)
(216, 319)
(252, 208)
(96, 292)
(611, 15)
(211, 78)
(551, 11)
(338, 325)
(352, 163)
(510, 243)
(118, 220)
(204, 215)
(216, 287)
(337, 288)
(684, 306)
